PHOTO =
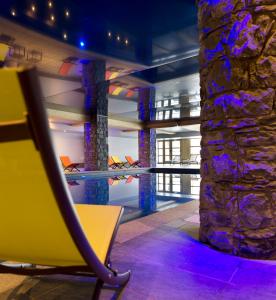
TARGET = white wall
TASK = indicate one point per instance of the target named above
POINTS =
(123, 143)
(70, 144)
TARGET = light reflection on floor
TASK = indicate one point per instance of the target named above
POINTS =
(167, 262)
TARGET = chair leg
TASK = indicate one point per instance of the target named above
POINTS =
(97, 290)
(119, 292)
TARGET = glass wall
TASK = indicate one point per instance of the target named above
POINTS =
(178, 151)
(179, 184)
(177, 107)
(167, 151)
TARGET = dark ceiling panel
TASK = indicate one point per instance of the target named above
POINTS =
(139, 31)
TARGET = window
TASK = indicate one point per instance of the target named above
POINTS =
(195, 112)
(195, 184)
(174, 101)
(195, 147)
(165, 109)
(170, 183)
(175, 113)
(159, 104)
(176, 183)
(167, 114)
(168, 151)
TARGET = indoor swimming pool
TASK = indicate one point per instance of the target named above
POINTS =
(139, 194)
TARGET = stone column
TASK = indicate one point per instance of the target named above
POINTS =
(96, 104)
(147, 193)
(147, 137)
(238, 126)
(96, 192)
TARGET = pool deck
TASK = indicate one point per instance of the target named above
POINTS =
(167, 262)
(109, 173)
(130, 171)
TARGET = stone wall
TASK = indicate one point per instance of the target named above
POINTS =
(238, 126)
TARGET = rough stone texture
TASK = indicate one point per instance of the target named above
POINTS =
(96, 104)
(238, 126)
(96, 192)
(147, 137)
(147, 193)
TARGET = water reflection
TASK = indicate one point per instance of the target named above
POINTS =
(180, 106)
(140, 195)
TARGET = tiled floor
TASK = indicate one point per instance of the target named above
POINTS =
(167, 262)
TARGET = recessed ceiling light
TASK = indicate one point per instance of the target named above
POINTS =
(126, 41)
(52, 17)
(67, 13)
(65, 36)
(109, 34)
(13, 12)
(33, 8)
(82, 44)
(50, 4)
(118, 38)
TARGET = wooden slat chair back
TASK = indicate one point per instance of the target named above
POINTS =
(38, 222)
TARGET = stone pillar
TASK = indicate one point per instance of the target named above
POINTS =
(147, 193)
(147, 137)
(238, 126)
(96, 104)
(96, 192)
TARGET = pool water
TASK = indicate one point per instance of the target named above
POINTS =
(140, 195)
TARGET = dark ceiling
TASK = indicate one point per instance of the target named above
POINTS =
(152, 33)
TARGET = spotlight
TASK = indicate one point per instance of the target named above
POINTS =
(67, 13)
(82, 44)
(118, 38)
(52, 18)
(109, 34)
(126, 41)
(65, 36)
(13, 12)
(50, 4)
(33, 8)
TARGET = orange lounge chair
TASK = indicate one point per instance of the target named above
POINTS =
(113, 181)
(129, 179)
(68, 165)
(132, 162)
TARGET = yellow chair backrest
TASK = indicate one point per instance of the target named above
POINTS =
(4, 49)
(32, 228)
(116, 159)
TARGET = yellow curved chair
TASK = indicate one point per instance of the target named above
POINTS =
(39, 224)
(118, 162)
